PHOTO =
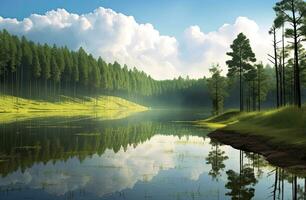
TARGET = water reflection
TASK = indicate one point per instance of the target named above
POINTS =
(216, 158)
(151, 158)
(241, 184)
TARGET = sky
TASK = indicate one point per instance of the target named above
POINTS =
(164, 38)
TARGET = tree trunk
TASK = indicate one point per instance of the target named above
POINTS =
(12, 83)
(292, 88)
(294, 187)
(296, 57)
(217, 102)
(283, 77)
(275, 183)
(254, 96)
(74, 89)
(276, 68)
(46, 86)
(54, 88)
(59, 91)
(258, 88)
(17, 87)
(30, 88)
(280, 82)
(4, 81)
(240, 83)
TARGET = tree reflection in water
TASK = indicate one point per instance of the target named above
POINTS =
(216, 158)
(57, 142)
(241, 184)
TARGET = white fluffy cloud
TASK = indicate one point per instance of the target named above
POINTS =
(115, 36)
(201, 49)
(114, 172)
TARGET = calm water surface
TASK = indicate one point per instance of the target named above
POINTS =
(146, 156)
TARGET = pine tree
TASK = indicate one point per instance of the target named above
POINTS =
(242, 58)
(55, 70)
(217, 86)
(75, 72)
(36, 69)
(294, 13)
(44, 58)
(13, 60)
(262, 84)
(279, 22)
(27, 59)
(103, 70)
(83, 66)
(5, 57)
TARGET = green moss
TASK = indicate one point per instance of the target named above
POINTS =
(105, 107)
(285, 125)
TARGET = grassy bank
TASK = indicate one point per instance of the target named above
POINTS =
(286, 125)
(105, 107)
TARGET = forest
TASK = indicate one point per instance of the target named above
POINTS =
(36, 71)
(77, 126)
(40, 71)
(288, 32)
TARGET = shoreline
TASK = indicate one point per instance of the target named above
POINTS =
(278, 154)
(104, 107)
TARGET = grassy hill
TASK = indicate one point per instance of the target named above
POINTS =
(105, 107)
(279, 135)
(286, 125)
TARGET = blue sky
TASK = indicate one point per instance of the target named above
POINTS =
(170, 17)
(187, 36)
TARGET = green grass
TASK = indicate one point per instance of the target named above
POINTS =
(105, 107)
(286, 125)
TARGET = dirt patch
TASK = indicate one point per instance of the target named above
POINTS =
(281, 155)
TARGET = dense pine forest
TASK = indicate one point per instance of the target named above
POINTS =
(287, 83)
(40, 71)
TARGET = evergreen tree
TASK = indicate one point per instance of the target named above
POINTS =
(55, 70)
(27, 59)
(67, 73)
(217, 87)
(241, 61)
(83, 66)
(13, 59)
(23, 63)
(36, 69)
(294, 13)
(262, 84)
(36, 65)
(75, 72)
(250, 79)
(103, 70)
(279, 22)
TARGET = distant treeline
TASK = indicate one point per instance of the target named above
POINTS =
(41, 71)
(34, 70)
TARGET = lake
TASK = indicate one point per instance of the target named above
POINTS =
(150, 155)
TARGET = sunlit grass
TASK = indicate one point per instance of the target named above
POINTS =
(286, 125)
(108, 107)
(210, 125)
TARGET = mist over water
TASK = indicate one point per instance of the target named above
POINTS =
(150, 155)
